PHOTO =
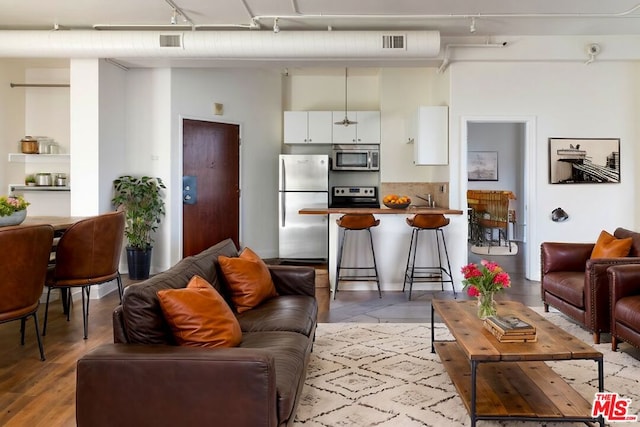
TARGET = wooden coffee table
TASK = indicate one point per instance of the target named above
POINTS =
(510, 380)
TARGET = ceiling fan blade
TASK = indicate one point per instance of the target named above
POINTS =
(345, 122)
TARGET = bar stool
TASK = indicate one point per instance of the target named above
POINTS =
(413, 273)
(357, 222)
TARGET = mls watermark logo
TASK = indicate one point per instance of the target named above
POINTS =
(612, 407)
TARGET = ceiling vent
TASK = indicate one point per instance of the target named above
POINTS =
(393, 41)
(170, 40)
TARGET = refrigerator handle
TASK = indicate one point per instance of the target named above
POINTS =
(283, 216)
(283, 175)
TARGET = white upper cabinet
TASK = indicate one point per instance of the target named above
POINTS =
(429, 131)
(366, 131)
(307, 127)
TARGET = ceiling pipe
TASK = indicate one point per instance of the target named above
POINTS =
(465, 16)
(234, 45)
(255, 21)
(446, 60)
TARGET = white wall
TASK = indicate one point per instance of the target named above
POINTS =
(11, 119)
(567, 100)
(402, 91)
(149, 147)
(112, 131)
(253, 99)
(84, 135)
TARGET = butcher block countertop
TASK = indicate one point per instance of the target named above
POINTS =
(411, 210)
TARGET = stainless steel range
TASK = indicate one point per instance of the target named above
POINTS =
(354, 197)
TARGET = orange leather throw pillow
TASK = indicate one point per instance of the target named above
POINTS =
(608, 246)
(248, 278)
(199, 316)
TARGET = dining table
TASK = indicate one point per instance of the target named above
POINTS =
(59, 223)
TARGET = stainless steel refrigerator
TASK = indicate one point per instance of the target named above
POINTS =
(304, 183)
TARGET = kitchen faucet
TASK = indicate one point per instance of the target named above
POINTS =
(430, 203)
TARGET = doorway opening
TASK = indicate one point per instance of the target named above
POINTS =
(513, 139)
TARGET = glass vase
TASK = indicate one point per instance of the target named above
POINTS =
(486, 305)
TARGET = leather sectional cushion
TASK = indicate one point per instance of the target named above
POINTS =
(295, 313)
(199, 316)
(607, 246)
(248, 279)
(290, 352)
(142, 315)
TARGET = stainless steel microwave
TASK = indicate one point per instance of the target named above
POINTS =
(355, 158)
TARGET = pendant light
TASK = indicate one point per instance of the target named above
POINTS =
(345, 122)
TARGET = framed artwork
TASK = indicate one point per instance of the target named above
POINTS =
(584, 160)
(482, 165)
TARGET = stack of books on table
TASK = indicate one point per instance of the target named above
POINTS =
(510, 329)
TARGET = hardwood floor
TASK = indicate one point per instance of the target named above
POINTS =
(35, 393)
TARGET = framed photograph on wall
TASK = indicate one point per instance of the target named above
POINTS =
(482, 165)
(584, 160)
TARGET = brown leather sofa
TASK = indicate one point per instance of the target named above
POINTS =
(145, 379)
(624, 283)
(577, 285)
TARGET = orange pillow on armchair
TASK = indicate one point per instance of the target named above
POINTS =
(607, 246)
(248, 278)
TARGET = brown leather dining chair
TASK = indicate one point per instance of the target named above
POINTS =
(87, 254)
(22, 274)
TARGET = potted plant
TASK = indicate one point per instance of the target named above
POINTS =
(13, 210)
(141, 200)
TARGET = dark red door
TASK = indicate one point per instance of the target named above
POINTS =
(211, 154)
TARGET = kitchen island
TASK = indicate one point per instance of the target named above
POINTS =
(391, 242)
(411, 210)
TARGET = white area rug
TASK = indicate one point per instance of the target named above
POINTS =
(495, 250)
(384, 374)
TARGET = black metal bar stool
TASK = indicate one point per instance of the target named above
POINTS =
(437, 273)
(357, 222)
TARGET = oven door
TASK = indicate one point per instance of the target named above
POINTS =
(350, 160)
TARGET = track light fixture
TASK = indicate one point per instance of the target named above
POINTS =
(174, 18)
(472, 26)
(276, 27)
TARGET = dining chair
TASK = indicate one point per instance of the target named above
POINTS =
(491, 214)
(87, 254)
(22, 274)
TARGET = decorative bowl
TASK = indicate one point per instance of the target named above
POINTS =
(15, 218)
(397, 205)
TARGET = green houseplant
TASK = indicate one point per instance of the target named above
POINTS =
(141, 198)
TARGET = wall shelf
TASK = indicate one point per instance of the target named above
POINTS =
(39, 158)
(22, 187)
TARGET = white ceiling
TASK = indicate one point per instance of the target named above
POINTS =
(452, 18)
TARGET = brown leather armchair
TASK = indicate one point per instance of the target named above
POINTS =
(87, 254)
(577, 285)
(624, 281)
(23, 274)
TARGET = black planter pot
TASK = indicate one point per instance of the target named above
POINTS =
(139, 261)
